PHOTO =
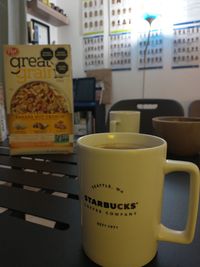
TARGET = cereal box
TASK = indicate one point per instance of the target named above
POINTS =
(39, 98)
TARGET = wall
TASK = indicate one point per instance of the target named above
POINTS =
(12, 25)
(71, 34)
(180, 84)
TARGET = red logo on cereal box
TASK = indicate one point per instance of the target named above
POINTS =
(12, 51)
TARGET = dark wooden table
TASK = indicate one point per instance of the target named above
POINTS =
(40, 219)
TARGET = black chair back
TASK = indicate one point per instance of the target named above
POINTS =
(84, 89)
(149, 108)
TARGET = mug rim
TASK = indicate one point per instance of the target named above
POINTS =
(83, 141)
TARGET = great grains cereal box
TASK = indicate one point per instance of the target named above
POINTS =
(39, 99)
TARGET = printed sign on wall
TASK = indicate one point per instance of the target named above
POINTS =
(186, 45)
(92, 17)
(120, 51)
(150, 50)
(93, 52)
(121, 15)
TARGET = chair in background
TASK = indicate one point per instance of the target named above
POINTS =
(84, 90)
(194, 109)
(149, 108)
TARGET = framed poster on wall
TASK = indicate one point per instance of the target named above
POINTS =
(40, 32)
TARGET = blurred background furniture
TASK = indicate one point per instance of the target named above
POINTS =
(181, 133)
(149, 108)
(86, 105)
(84, 91)
(194, 108)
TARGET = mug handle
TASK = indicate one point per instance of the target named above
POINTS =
(113, 125)
(186, 236)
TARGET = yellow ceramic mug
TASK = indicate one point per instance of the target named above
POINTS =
(124, 121)
(121, 186)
